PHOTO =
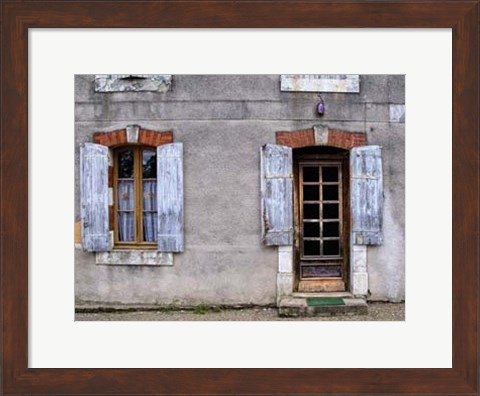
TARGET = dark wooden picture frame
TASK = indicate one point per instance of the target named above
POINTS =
(18, 16)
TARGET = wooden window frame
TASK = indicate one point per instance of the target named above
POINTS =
(138, 201)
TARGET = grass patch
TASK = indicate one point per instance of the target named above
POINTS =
(204, 309)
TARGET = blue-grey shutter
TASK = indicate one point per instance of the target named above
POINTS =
(170, 197)
(276, 190)
(366, 195)
(94, 197)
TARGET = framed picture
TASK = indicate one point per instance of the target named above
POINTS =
(19, 378)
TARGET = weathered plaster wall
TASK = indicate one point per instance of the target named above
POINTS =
(222, 121)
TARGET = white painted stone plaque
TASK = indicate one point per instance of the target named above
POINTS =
(346, 83)
(133, 82)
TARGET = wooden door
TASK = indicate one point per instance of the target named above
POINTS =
(322, 219)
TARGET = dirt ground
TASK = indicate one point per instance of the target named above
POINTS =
(376, 312)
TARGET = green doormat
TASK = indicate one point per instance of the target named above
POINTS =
(324, 301)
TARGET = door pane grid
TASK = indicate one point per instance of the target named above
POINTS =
(320, 218)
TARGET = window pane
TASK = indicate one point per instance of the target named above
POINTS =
(149, 226)
(311, 230)
(149, 195)
(330, 211)
(125, 227)
(149, 167)
(125, 164)
(311, 193)
(329, 174)
(321, 272)
(125, 195)
(311, 211)
(330, 229)
(330, 192)
(149, 208)
(331, 248)
(311, 174)
(311, 248)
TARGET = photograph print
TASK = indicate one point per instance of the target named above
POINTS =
(239, 197)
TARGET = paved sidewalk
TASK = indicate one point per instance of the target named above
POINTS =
(376, 312)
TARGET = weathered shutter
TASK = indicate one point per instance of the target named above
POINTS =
(366, 195)
(276, 188)
(94, 197)
(170, 197)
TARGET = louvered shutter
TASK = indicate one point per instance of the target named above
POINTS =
(94, 197)
(366, 195)
(170, 197)
(276, 188)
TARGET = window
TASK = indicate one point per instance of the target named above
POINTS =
(147, 192)
(135, 197)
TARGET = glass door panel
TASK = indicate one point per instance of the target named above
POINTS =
(320, 199)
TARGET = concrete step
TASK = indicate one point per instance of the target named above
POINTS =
(323, 294)
(297, 307)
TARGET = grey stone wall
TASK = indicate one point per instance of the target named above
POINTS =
(222, 122)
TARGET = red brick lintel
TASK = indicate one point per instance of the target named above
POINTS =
(154, 138)
(111, 139)
(326, 137)
(145, 137)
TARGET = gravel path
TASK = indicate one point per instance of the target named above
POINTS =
(376, 311)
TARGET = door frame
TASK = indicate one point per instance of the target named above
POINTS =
(324, 284)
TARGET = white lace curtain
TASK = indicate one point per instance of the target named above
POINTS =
(126, 218)
(150, 210)
(126, 221)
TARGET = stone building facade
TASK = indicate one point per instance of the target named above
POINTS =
(252, 196)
